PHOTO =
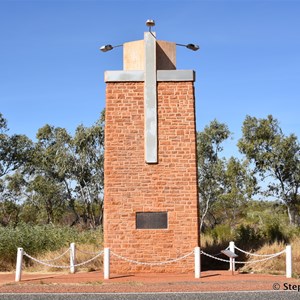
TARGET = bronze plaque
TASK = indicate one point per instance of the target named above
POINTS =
(152, 220)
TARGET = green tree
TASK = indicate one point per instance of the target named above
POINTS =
(48, 197)
(238, 186)
(12, 193)
(277, 157)
(14, 150)
(74, 165)
(48, 165)
(58, 176)
(3, 123)
(88, 170)
(210, 166)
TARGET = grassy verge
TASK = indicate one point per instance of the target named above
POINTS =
(48, 242)
(41, 241)
(276, 266)
(84, 252)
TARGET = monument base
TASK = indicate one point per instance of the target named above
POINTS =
(133, 188)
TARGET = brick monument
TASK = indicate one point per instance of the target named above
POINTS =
(150, 189)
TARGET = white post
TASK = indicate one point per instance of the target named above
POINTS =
(232, 260)
(72, 258)
(106, 262)
(288, 256)
(197, 262)
(19, 264)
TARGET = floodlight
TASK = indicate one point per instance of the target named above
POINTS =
(190, 46)
(106, 48)
(150, 23)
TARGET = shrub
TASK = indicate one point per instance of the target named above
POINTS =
(274, 233)
(221, 234)
(36, 240)
(249, 236)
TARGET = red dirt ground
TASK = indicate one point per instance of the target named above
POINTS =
(93, 282)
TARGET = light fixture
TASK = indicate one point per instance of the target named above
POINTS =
(106, 48)
(190, 46)
(150, 23)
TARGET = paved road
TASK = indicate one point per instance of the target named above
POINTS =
(276, 295)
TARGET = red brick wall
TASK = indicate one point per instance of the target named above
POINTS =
(133, 186)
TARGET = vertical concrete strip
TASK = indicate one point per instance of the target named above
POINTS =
(150, 99)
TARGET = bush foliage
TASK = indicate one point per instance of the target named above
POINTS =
(36, 240)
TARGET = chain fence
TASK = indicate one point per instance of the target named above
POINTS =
(107, 253)
(97, 254)
(151, 263)
(254, 254)
(261, 260)
(216, 258)
(49, 263)
(269, 256)
(56, 258)
(45, 263)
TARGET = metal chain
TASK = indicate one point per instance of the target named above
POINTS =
(216, 258)
(44, 263)
(243, 262)
(151, 263)
(88, 261)
(260, 260)
(57, 258)
(254, 254)
(62, 267)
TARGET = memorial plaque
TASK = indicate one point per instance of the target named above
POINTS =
(151, 220)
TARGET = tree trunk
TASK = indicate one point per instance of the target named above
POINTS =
(293, 215)
(203, 212)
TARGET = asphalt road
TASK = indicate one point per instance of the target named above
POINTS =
(276, 295)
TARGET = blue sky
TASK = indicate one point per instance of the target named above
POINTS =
(51, 69)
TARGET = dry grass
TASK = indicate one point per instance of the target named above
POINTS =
(206, 240)
(275, 265)
(40, 239)
(91, 251)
